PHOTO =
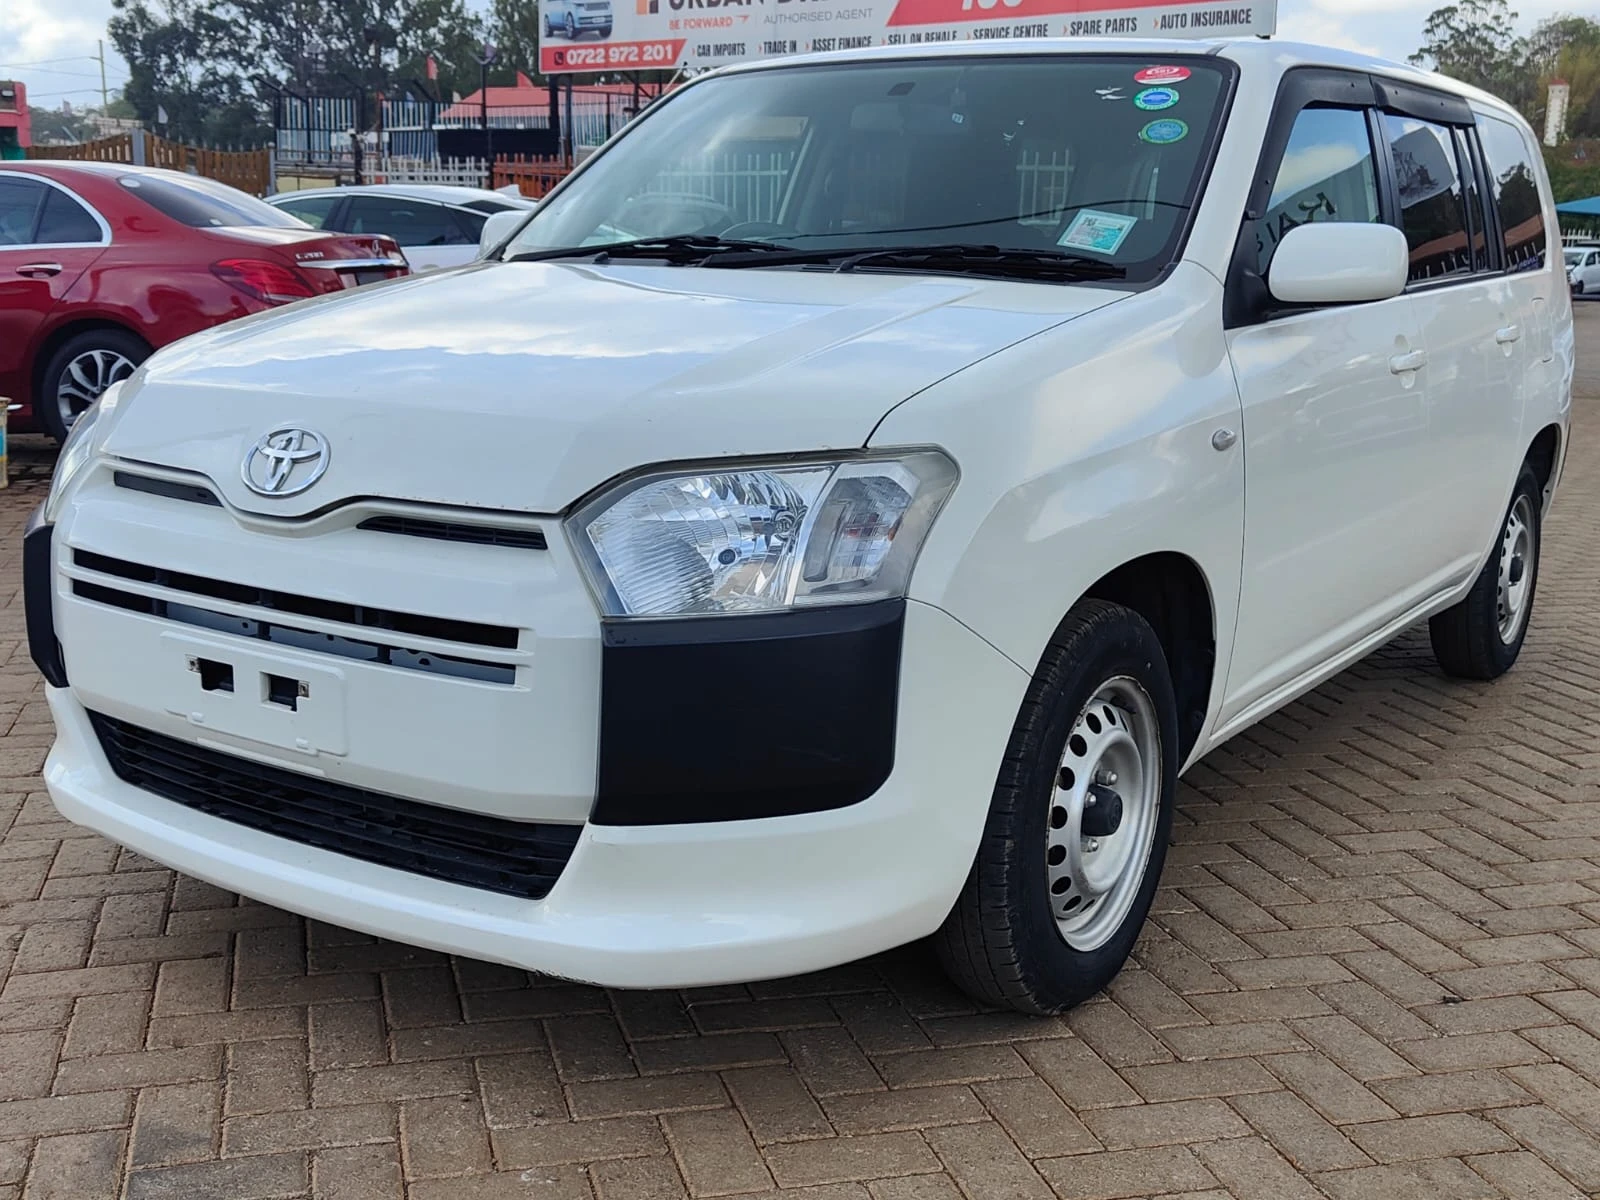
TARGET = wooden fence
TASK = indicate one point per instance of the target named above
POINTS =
(248, 170)
(534, 177)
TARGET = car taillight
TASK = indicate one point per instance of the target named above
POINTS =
(265, 280)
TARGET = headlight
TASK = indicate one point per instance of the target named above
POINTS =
(745, 539)
(83, 441)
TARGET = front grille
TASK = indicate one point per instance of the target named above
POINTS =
(471, 633)
(192, 493)
(515, 858)
(457, 531)
(453, 666)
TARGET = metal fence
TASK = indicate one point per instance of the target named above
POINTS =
(458, 172)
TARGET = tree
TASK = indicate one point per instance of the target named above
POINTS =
(212, 63)
(1476, 42)
(181, 59)
(1568, 49)
(514, 29)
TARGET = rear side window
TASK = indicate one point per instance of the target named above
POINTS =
(1515, 185)
(204, 203)
(20, 202)
(471, 223)
(313, 210)
(1432, 199)
(409, 222)
(1328, 173)
(65, 221)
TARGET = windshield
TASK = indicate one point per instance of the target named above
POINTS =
(1098, 157)
(204, 203)
(1574, 257)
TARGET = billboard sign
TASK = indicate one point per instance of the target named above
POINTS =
(634, 35)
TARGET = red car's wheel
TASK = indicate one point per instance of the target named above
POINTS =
(82, 368)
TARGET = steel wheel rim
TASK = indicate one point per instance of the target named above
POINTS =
(1094, 878)
(1517, 563)
(85, 377)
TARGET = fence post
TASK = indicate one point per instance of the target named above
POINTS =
(140, 149)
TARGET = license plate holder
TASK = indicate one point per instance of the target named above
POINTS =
(276, 699)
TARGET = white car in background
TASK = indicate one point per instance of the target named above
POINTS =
(1583, 269)
(436, 225)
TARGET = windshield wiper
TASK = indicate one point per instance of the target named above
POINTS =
(680, 248)
(955, 257)
(1031, 264)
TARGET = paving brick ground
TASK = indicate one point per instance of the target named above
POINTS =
(1372, 972)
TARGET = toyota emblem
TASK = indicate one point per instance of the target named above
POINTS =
(285, 462)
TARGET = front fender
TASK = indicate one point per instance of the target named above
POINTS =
(1082, 449)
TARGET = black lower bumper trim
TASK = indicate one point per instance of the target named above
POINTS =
(731, 718)
(515, 858)
(38, 595)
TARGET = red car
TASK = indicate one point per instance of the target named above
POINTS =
(101, 264)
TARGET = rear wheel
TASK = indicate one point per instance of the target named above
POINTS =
(80, 369)
(1481, 637)
(1078, 825)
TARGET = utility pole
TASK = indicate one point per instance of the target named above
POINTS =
(105, 97)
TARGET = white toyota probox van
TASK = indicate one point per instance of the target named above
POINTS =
(836, 516)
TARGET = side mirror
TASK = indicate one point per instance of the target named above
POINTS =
(1338, 263)
(499, 228)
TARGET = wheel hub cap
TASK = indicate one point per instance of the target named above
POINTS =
(1516, 570)
(1103, 814)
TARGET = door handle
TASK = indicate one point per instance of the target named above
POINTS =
(1404, 364)
(37, 269)
(1508, 335)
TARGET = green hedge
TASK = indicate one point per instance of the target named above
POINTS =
(1571, 176)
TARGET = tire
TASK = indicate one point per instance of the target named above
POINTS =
(1578, 288)
(1006, 941)
(84, 366)
(570, 28)
(605, 32)
(1482, 636)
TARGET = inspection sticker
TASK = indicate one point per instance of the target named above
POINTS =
(1164, 133)
(1162, 75)
(1101, 232)
(1156, 99)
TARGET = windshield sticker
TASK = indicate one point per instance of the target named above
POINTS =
(1157, 99)
(1162, 75)
(1111, 93)
(1100, 232)
(1164, 133)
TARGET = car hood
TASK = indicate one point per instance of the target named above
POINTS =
(522, 386)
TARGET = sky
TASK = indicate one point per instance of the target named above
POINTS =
(51, 44)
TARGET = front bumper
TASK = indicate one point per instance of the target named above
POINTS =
(644, 906)
(639, 903)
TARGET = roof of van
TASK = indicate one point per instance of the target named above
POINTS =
(1255, 54)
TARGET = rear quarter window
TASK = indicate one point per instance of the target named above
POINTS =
(204, 203)
(1514, 182)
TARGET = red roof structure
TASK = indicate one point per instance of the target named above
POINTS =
(16, 130)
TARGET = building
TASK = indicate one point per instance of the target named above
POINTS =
(16, 133)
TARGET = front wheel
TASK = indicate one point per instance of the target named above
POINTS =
(80, 370)
(1482, 636)
(1079, 823)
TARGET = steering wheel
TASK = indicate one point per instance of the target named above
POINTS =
(662, 213)
(759, 229)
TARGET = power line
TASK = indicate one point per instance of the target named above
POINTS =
(45, 62)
